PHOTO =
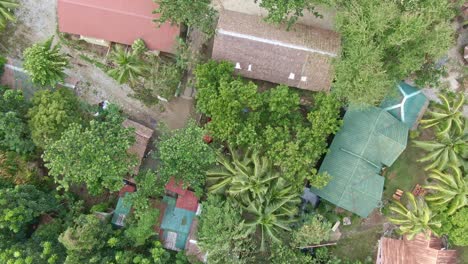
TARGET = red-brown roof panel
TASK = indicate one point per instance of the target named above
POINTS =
(120, 21)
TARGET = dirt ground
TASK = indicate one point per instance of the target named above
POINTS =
(36, 21)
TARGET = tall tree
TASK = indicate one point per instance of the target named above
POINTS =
(221, 233)
(448, 115)
(288, 11)
(22, 204)
(185, 156)
(450, 189)
(199, 14)
(314, 230)
(96, 155)
(51, 114)
(14, 132)
(7, 8)
(415, 218)
(45, 64)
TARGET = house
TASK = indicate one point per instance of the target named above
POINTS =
(300, 57)
(143, 135)
(181, 207)
(417, 251)
(124, 205)
(120, 21)
(408, 106)
(368, 140)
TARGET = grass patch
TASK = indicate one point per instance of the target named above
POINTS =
(360, 245)
(405, 173)
(462, 254)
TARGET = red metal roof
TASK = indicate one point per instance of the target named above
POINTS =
(176, 187)
(188, 201)
(126, 189)
(120, 21)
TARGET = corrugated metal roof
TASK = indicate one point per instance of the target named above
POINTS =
(176, 220)
(369, 139)
(408, 107)
(120, 21)
(123, 208)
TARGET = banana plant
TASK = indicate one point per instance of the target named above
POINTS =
(444, 150)
(450, 189)
(447, 116)
(415, 218)
(7, 8)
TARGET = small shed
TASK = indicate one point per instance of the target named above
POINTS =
(120, 21)
(368, 140)
(143, 135)
(408, 106)
(300, 57)
(181, 207)
(420, 250)
(124, 205)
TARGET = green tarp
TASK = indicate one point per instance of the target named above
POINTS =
(368, 140)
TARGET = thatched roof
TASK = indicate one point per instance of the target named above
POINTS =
(299, 58)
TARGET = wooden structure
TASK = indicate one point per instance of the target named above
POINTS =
(418, 190)
(417, 251)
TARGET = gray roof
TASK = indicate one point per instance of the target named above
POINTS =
(299, 58)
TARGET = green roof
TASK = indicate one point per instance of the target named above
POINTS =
(408, 106)
(176, 220)
(124, 205)
(368, 139)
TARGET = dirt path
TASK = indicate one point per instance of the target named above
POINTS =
(36, 21)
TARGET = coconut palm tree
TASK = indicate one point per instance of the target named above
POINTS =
(273, 213)
(451, 189)
(245, 177)
(447, 116)
(129, 66)
(7, 8)
(446, 149)
(415, 218)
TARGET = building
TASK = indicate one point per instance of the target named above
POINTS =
(120, 21)
(298, 58)
(417, 251)
(142, 137)
(408, 106)
(368, 140)
(180, 208)
(124, 205)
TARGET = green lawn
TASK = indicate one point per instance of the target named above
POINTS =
(405, 173)
(463, 254)
(358, 245)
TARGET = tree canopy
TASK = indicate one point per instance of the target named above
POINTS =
(185, 156)
(96, 155)
(386, 41)
(51, 114)
(273, 122)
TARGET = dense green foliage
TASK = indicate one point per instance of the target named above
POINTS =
(447, 116)
(455, 226)
(271, 122)
(288, 11)
(95, 155)
(221, 233)
(282, 254)
(185, 156)
(14, 132)
(22, 204)
(7, 8)
(198, 14)
(51, 114)
(415, 218)
(386, 41)
(314, 230)
(45, 64)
